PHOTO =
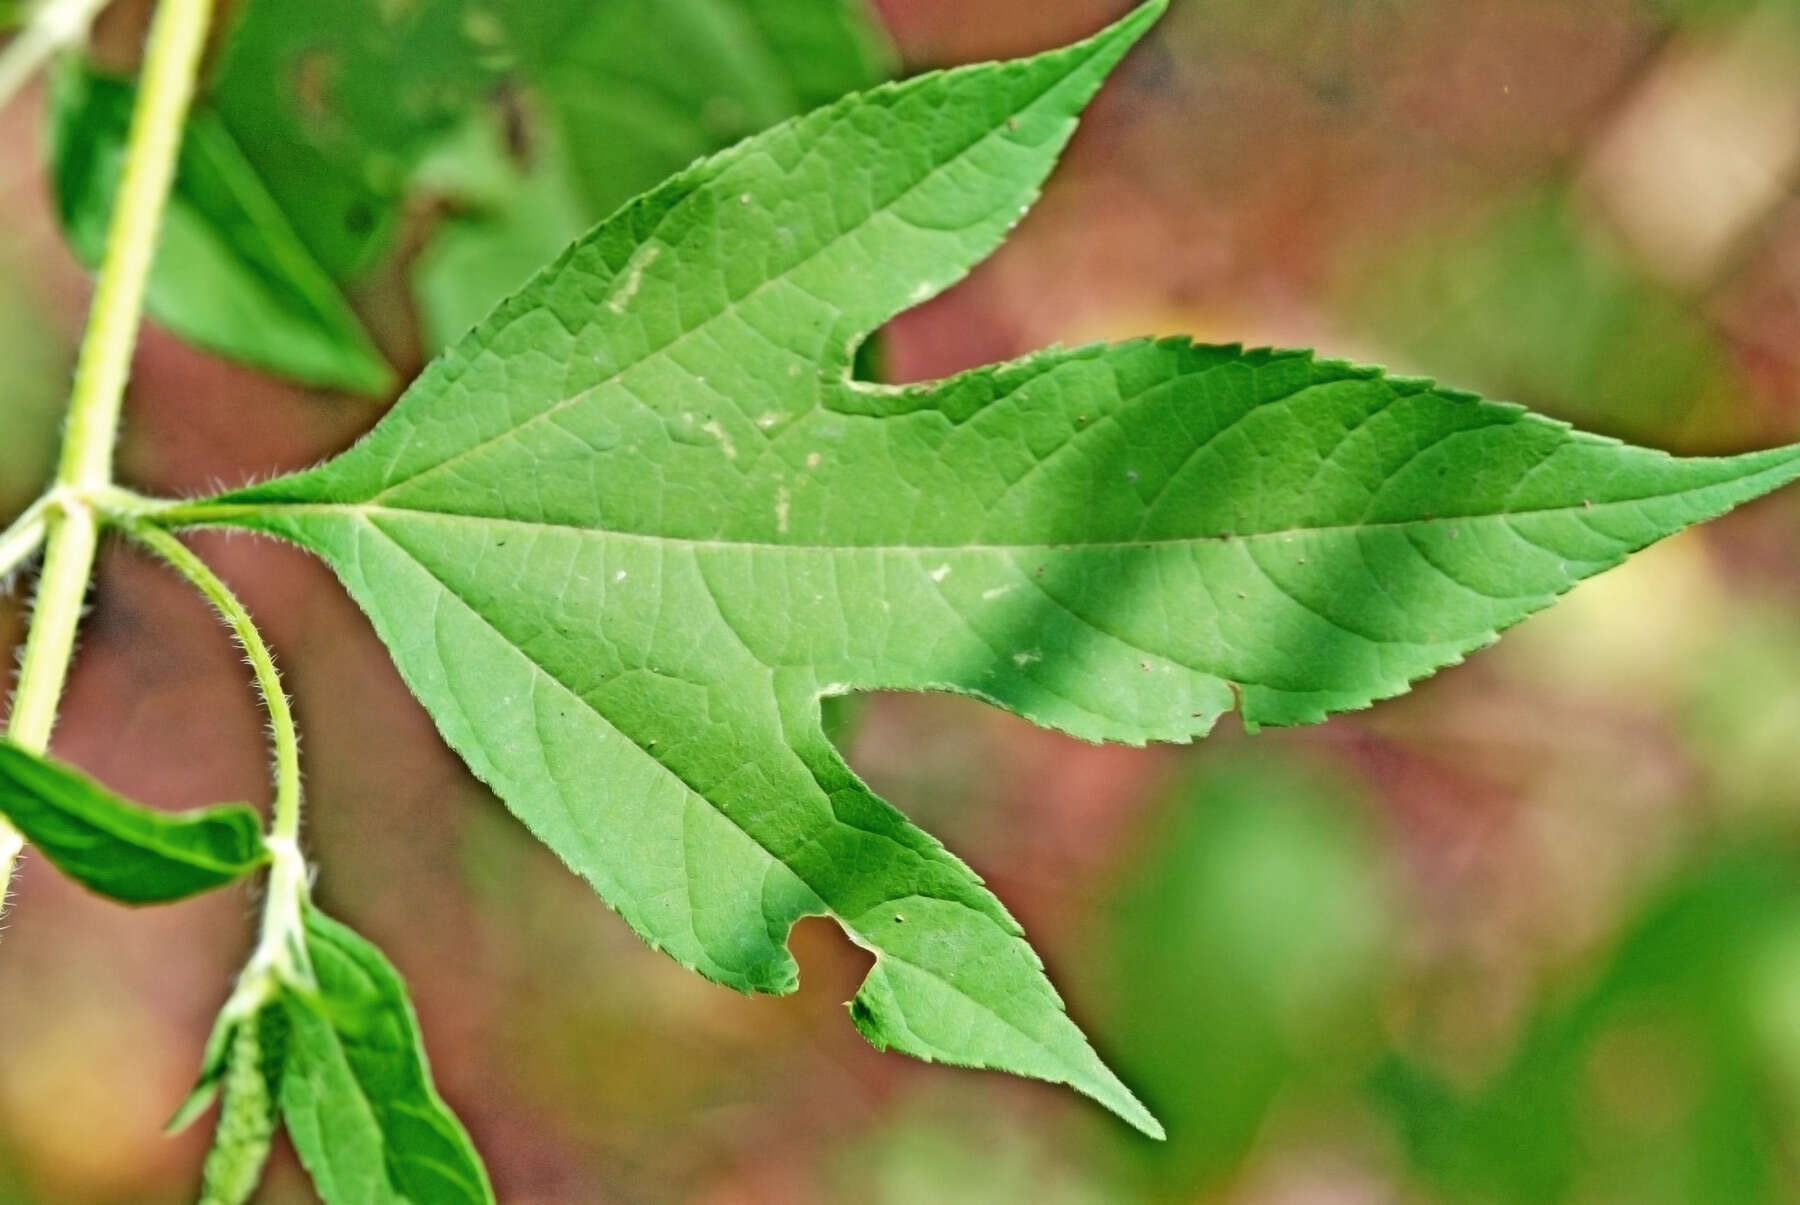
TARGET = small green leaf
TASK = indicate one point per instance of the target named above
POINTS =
(356, 1093)
(625, 537)
(251, 1083)
(118, 848)
(213, 1065)
(230, 275)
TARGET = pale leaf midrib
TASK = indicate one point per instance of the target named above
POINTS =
(208, 514)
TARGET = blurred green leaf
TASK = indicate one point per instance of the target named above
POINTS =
(1654, 1083)
(932, 1152)
(616, 97)
(489, 248)
(230, 274)
(35, 358)
(356, 1091)
(672, 80)
(1246, 956)
(118, 848)
(334, 102)
(570, 108)
(1531, 304)
(327, 115)
(1707, 14)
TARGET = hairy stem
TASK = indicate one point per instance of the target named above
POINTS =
(171, 62)
(280, 953)
(286, 820)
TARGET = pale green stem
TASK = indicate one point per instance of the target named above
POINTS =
(20, 541)
(280, 954)
(171, 62)
(53, 25)
(286, 818)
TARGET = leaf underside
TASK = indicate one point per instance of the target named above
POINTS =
(355, 1090)
(624, 537)
(121, 849)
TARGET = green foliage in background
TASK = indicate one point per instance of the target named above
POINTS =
(231, 273)
(518, 124)
(1664, 1079)
(1258, 916)
(1617, 350)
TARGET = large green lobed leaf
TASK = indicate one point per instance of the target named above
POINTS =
(624, 537)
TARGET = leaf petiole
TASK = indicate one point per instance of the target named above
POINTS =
(285, 827)
(280, 955)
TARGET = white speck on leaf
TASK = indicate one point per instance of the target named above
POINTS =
(814, 460)
(940, 573)
(634, 278)
(717, 432)
(996, 592)
(1028, 657)
(783, 505)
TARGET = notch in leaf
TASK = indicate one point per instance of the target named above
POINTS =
(121, 849)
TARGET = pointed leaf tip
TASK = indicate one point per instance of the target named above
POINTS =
(1110, 45)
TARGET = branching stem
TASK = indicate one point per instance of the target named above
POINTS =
(171, 63)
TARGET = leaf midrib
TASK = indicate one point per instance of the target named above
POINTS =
(207, 514)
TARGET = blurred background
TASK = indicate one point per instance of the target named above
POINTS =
(1530, 934)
